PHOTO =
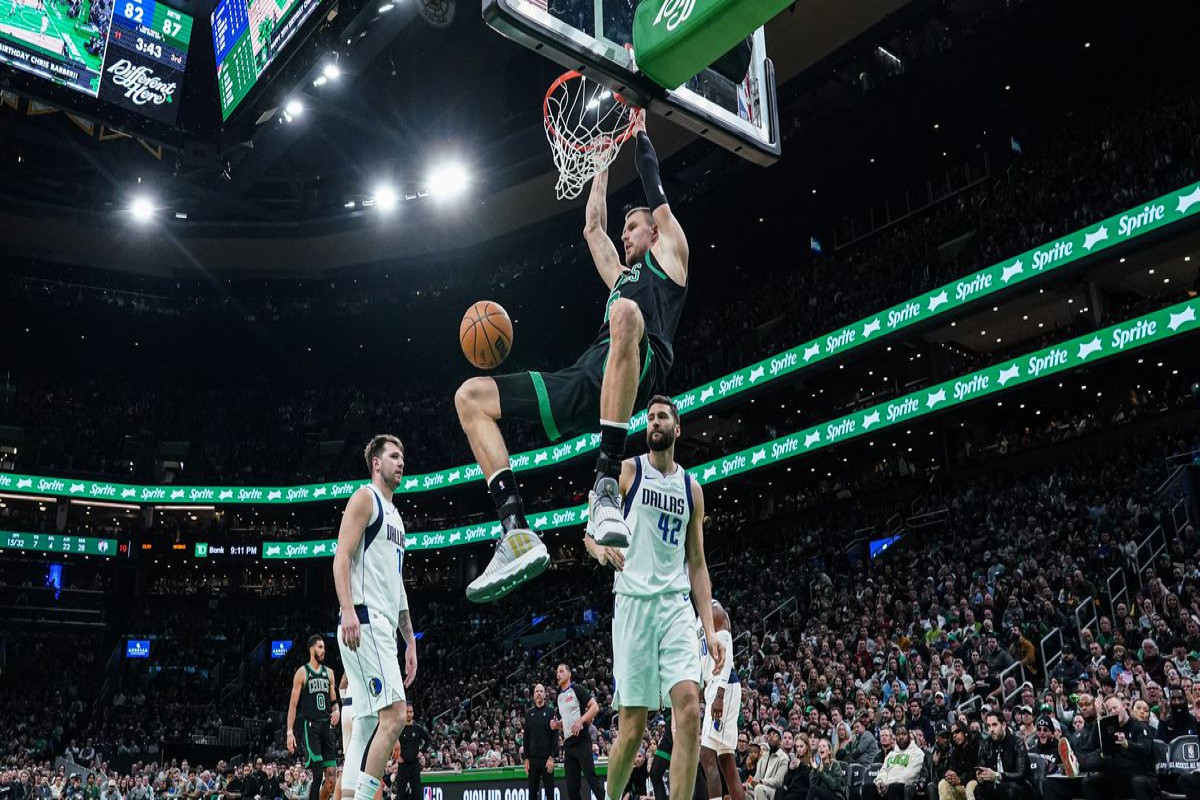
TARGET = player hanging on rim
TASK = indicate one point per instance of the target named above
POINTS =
(656, 663)
(314, 695)
(368, 574)
(628, 362)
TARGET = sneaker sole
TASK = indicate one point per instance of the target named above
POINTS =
(613, 539)
(521, 570)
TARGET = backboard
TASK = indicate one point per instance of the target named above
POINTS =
(590, 36)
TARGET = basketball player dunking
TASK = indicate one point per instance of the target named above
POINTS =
(368, 574)
(625, 366)
(315, 698)
(656, 663)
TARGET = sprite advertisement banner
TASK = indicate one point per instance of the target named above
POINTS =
(936, 304)
(54, 543)
(1152, 328)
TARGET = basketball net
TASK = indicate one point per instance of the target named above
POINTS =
(586, 124)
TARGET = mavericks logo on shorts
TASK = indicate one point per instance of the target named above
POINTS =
(375, 686)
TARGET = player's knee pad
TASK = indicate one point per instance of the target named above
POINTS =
(360, 737)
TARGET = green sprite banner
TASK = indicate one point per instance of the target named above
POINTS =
(1152, 328)
(54, 543)
(936, 304)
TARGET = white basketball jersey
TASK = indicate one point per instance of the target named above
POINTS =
(707, 676)
(377, 566)
(657, 510)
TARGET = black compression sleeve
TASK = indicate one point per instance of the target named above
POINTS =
(647, 167)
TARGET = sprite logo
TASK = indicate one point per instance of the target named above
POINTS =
(675, 12)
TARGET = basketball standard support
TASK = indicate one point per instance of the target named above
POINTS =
(673, 40)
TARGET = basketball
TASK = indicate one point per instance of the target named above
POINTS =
(486, 334)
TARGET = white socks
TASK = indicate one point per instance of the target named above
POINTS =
(367, 787)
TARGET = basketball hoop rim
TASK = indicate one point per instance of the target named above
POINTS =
(570, 75)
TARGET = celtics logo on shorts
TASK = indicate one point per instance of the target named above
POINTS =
(375, 686)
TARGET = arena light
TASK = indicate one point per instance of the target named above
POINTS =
(331, 71)
(448, 180)
(292, 109)
(142, 208)
(386, 198)
(102, 504)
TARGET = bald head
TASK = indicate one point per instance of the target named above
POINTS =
(720, 617)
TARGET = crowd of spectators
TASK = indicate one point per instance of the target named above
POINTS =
(835, 650)
(1073, 171)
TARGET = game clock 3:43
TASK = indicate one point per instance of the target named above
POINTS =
(146, 60)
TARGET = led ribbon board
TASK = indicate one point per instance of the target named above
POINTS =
(937, 304)
(1153, 328)
(54, 543)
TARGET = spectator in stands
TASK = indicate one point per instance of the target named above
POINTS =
(1020, 648)
(1178, 721)
(957, 778)
(864, 748)
(901, 769)
(772, 766)
(1129, 771)
(1013, 779)
(796, 783)
(887, 743)
(1152, 660)
(1070, 670)
(997, 659)
(918, 721)
(828, 779)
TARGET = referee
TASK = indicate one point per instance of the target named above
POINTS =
(541, 745)
(408, 770)
(576, 710)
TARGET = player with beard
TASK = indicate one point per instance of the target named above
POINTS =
(656, 663)
(368, 575)
(314, 694)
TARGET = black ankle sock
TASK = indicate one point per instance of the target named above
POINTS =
(507, 498)
(612, 449)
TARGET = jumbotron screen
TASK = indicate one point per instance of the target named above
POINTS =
(131, 53)
(247, 36)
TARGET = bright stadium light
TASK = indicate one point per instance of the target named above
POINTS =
(142, 208)
(292, 109)
(386, 198)
(448, 180)
(332, 71)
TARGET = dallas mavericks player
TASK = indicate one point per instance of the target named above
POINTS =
(655, 660)
(368, 575)
(722, 707)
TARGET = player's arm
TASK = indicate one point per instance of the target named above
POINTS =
(335, 708)
(612, 555)
(698, 575)
(410, 644)
(354, 525)
(595, 231)
(297, 687)
(672, 245)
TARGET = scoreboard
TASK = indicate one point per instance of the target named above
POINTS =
(56, 543)
(146, 59)
(131, 53)
(247, 36)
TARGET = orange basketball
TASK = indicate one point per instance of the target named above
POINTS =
(486, 334)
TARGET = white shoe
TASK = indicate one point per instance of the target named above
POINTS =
(606, 518)
(519, 557)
